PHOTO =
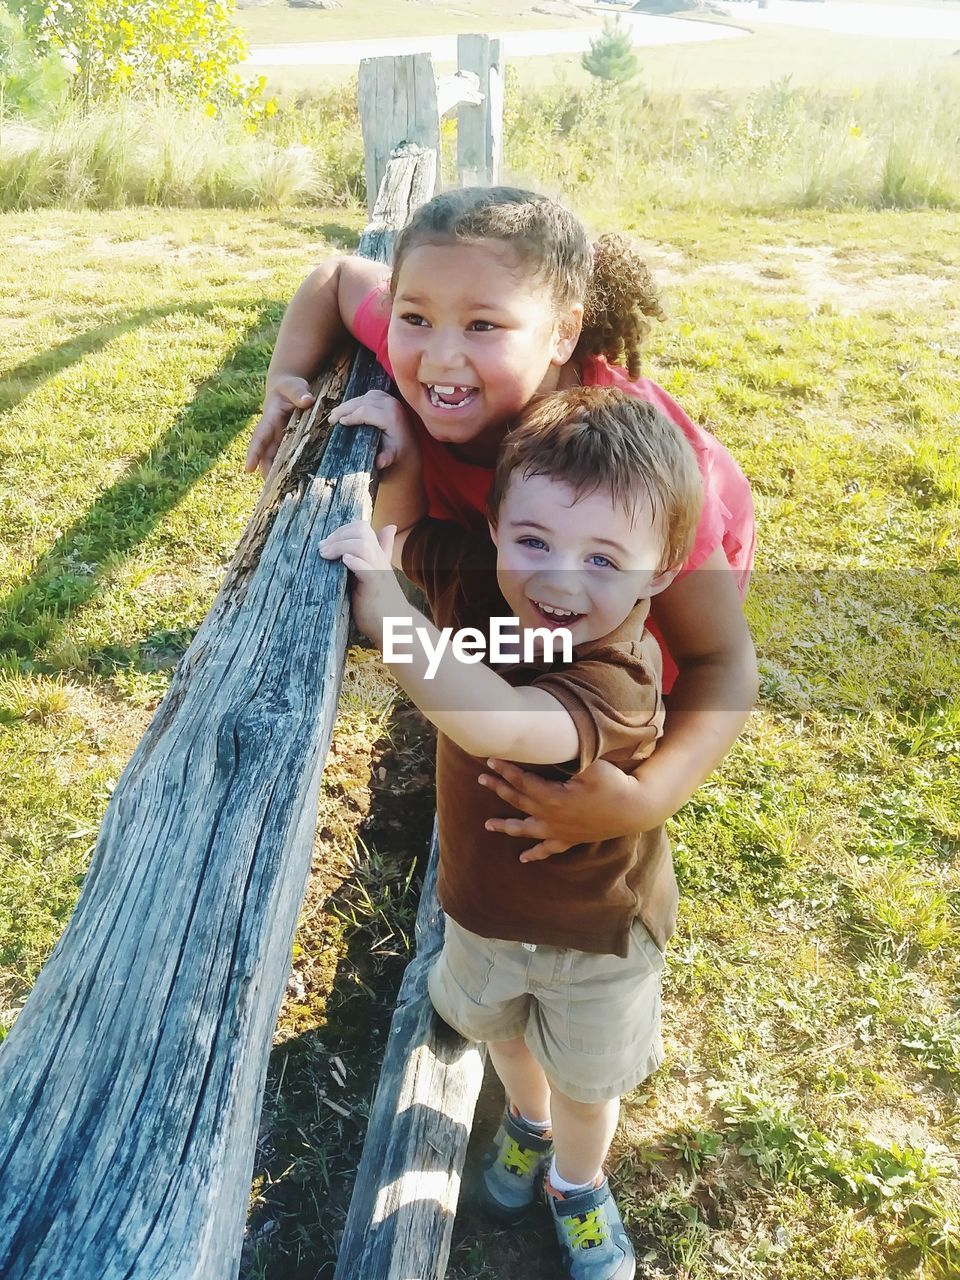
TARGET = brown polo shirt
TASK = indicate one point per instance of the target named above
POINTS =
(589, 896)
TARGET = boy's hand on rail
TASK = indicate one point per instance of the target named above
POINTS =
(380, 409)
(286, 395)
(591, 806)
(376, 592)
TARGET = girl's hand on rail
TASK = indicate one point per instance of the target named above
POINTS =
(286, 395)
(379, 409)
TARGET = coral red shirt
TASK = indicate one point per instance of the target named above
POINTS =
(457, 490)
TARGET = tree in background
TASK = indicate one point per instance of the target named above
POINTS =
(611, 55)
(31, 83)
(185, 48)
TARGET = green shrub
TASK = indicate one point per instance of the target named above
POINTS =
(31, 83)
(610, 56)
(186, 49)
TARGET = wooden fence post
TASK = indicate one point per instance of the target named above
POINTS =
(132, 1080)
(480, 128)
(398, 103)
(404, 1201)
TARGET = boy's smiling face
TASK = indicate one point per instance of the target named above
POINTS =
(575, 561)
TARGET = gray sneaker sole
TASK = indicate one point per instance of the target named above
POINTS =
(504, 1214)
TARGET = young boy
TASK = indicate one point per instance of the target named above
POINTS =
(554, 964)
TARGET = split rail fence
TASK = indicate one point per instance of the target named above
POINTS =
(132, 1080)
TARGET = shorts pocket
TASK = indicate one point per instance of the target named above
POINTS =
(468, 960)
(641, 940)
(613, 1002)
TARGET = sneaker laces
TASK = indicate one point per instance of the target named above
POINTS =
(521, 1161)
(585, 1231)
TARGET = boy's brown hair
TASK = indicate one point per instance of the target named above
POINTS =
(599, 438)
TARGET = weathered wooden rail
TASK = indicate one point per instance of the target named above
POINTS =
(400, 101)
(132, 1080)
(405, 1198)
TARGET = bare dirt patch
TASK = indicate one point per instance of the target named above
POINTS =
(159, 246)
(108, 718)
(38, 244)
(814, 274)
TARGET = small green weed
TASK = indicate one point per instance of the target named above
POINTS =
(695, 1147)
(379, 904)
(893, 905)
(671, 1217)
(902, 1182)
(35, 698)
(937, 1047)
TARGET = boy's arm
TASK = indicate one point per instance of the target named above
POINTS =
(318, 318)
(475, 706)
(468, 702)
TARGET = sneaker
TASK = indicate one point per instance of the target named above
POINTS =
(591, 1234)
(512, 1168)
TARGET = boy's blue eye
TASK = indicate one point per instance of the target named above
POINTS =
(535, 544)
(602, 562)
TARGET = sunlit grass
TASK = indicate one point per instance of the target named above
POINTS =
(802, 1122)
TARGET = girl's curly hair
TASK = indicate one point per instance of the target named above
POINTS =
(621, 297)
(609, 278)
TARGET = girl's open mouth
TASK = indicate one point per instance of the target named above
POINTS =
(449, 397)
(554, 617)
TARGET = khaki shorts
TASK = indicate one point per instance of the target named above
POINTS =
(591, 1021)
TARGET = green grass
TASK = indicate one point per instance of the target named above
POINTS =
(781, 146)
(805, 1121)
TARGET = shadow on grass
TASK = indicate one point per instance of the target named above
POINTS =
(338, 234)
(77, 566)
(18, 383)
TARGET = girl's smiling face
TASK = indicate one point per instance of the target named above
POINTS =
(473, 337)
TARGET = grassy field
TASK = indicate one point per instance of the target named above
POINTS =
(805, 1122)
(277, 23)
(780, 147)
(812, 58)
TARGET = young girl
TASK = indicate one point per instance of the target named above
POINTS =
(497, 295)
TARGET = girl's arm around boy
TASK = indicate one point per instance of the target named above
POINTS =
(709, 705)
